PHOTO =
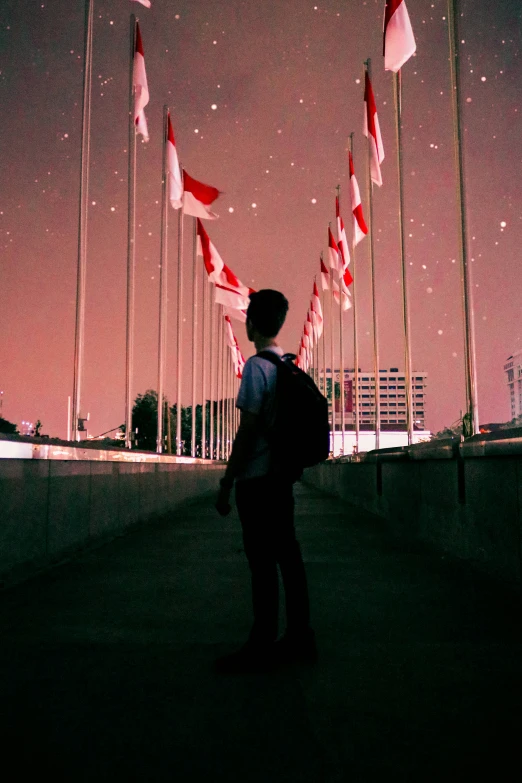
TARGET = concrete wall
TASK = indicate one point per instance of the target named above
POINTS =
(469, 508)
(51, 508)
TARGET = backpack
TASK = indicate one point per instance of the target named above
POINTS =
(300, 436)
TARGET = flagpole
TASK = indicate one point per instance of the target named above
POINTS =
(222, 389)
(397, 91)
(178, 330)
(355, 392)
(341, 348)
(332, 360)
(131, 249)
(79, 335)
(229, 395)
(211, 374)
(163, 286)
(194, 338)
(219, 359)
(204, 305)
(374, 298)
(472, 414)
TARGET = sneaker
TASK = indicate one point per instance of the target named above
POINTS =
(297, 648)
(250, 658)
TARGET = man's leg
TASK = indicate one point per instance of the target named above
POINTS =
(254, 507)
(289, 557)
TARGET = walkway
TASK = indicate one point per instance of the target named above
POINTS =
(106, 663)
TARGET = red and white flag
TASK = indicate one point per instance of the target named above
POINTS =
(341, 238)
(230, 292)
(317, 310)
(360, 229)
(140, 87)
(309, 330)
(146, 3)
(233, 345)
(229, 334)
(240, 361)
(197, 198)
(333, 253)
(399, 41)
(341, 295)
(175, 185)
(213, 262)
(347, 278)
(325, 276)
(372, 130)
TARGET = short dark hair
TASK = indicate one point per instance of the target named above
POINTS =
(267, 311)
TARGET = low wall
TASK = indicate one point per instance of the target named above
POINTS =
(469, 508)
(51, 508)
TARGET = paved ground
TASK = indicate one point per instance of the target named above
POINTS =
(106, 663)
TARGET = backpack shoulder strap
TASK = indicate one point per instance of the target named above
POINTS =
(270, 356)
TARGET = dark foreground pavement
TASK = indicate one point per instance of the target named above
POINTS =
(106, 663)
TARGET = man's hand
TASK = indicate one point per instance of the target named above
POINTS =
(223, 506)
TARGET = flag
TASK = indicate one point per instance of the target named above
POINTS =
(399, 42)
(233, 345)
(317, 310)
(240, 361)
(230, 292)
(325, 285)
(341, 295)
(175, 185)
(341, 238)
(372, 130)
(360, 228)
(347, 278)
(140, 87)
(197, 198)
(333, 252)
(211, 258)
(308, 330)
(146, 3)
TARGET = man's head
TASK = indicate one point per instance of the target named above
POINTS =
(266, 313)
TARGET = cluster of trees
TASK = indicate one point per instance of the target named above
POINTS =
(145, 421)
(461, 427)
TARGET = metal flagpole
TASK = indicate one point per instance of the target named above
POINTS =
(471, 425)
(79, 334)
(222, 384)
(212, 373)
(131, 249)
(397, 91)
(204, 305)
(341, 353)
(355, 392)
(194, 338)
(219, 360)
(332, 372)
(163, 287)
(178, 332)
(229, 396)
(374, 298)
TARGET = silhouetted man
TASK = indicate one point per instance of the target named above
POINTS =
(265, 504)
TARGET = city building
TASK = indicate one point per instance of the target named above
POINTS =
(392, 397)
(513, 370)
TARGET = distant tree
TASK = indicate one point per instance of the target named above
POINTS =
(145, 419)
(508, 425)
(38, 429)
(8, 427)
(455, 430)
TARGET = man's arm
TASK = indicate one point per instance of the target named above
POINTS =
(241, 450)
(242, 447)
